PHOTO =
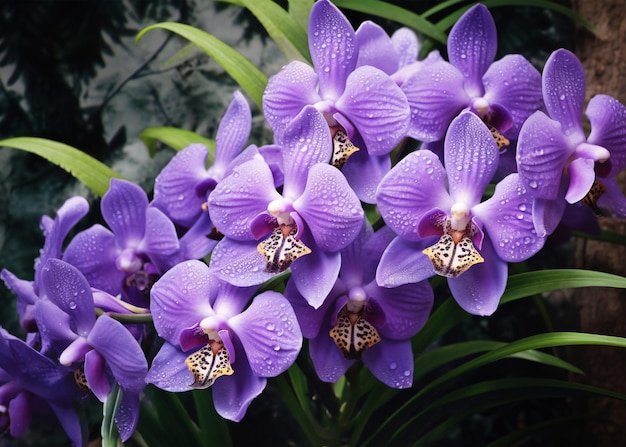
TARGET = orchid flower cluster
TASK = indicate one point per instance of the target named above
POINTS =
(352, 237)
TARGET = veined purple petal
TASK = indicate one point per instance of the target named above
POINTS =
(230, 300)
(233, 394)
(122, 352)
(435, 95)
(66, 287)
(581, 177)
(507, 217)
(93, 252)
(160, 238)
(286, 94)
(232, 132)
(241, 197)
(355, 261)
(269, 333)
(376, 48)
(406, 45)
(127, 415)
(333, 46)
(306, 142)
(315, 274)
(479, 289)
(328, 361)
(239, 263)
(542, 152)
(406, 308)
(195, 244)
(180, 299)
(330, 208)
(169, 371)
(515, 84)
(564, 92)
(95, 373)
(613, 199)
(403, 262)
(309, 319)
(54, 327)
(391, 361)
(23, 289)
(608, 129)
(364, 172)
(413, 187)
(70, 422)
(472, 45)
(123, 208)
(547, 215)
(376, 107)
(20, 414)
(175, 187)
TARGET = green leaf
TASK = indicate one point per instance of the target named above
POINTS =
(213, 427)
(108, 429)
(288, 35)
(91, 172)
(300, 10)
(175, 138)
(395, 13)
(244, 72)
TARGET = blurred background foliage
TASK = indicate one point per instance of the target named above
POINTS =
(71, 71)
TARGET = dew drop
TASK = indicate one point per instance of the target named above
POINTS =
(270, 326)
(72, 305)
(393, 365)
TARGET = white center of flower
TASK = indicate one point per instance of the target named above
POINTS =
(459, 216)
(356, 299)
(481, 105)
(280, 209)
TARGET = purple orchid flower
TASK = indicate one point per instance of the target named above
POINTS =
(142, 244)
(55, 231)
(502, 93)
(96, 346)
(361, 104)
(210, 342)
(182, 187)
(360, 320)
(473, 241)
(304, 228)
(556, 161)
(396, 55)
(31, 383)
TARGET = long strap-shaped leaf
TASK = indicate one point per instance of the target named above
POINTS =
(395, 13)
(175, 138)
(290, 38)
(244, 72)
(91, 172)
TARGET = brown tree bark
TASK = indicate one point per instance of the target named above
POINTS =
(603, 311)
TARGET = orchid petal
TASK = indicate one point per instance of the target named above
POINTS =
(564, 91)
(608, 129)
(169, 371)
(20, 414)
(93, 252)
(195, 244)
(330, 208)
(435, 95)
(123, 208)
(547, 215)
(54, 326)
(232, 132)
(180, 299)
(471, 158)
(241, 197)
(96, 376)
(160, 238)
(413, 187)
(507, 216)
(309, 319)
(239, 263)
(66, 414)
(364, 172)
(406, 46)
(542, 152)
(406, 308)
(403, 262)
(315, 274)
(381, 118)
(391, 361)
(66, 287)
(581, 177)
(175, 190)
(287, 93)
(515, 84)
(613, 199)
(472, 45)
(306, 142)
(233, 394)
(328, 361)
(479, 289)
(127, 415)
(376, 48)
(269, 333)
(123, 355)
(333, 46)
